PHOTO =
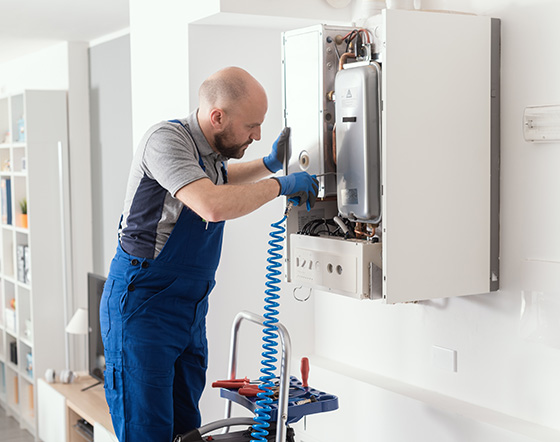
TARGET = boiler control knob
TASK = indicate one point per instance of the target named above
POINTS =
(304, 160)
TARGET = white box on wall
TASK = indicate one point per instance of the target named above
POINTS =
(440, 156)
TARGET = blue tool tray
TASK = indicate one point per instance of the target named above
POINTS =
(324, 401)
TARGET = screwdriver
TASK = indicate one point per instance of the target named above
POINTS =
(304, 379)
(304, 371)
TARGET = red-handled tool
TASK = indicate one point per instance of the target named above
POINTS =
(305, 371)
(250, 390)
(231, 383)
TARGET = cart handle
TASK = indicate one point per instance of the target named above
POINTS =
(284, 369)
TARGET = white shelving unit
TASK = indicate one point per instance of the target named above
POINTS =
(32, 126)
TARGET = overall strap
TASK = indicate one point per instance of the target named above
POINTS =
(224, 172)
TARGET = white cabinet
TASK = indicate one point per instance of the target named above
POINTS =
(33, 125)
(101, 434)
(52, 413)
(68, 413)
(440, 161)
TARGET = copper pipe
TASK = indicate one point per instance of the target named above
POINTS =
(367, 234)
(343, 58)
(361, 229)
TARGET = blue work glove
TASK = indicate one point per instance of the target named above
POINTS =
(299, 187)
(275, 160)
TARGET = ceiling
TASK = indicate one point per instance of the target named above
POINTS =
(30, 25)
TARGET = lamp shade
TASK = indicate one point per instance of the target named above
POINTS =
(78, 325)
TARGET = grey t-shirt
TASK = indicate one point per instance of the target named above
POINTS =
(166, 160)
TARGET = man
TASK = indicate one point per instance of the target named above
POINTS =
(155, 300)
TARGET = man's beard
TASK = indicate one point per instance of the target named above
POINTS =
(223, 144)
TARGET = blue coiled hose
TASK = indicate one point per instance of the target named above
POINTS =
(270, 338)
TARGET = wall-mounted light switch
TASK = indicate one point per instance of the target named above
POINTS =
(444, 358)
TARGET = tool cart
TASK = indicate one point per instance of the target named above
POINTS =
(294, 398)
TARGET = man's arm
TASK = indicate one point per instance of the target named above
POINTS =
(218, 203)
(247, 172)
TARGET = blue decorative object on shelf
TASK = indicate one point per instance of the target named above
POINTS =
(21, 130)
(29, 366)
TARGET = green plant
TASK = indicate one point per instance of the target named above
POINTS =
(23, 206)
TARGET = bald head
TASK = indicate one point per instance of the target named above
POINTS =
(227, 88)
(231, 109)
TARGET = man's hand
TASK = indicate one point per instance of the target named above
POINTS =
(275, 159)
(299, 187)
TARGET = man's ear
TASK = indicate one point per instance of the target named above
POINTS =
(217, 118)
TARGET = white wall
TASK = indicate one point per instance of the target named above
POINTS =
(111, 143)
(46, 69)
(158, 62)
(80, 171)
(498, 369)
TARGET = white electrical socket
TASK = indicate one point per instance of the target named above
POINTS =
(444, 358)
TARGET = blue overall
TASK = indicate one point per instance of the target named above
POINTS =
(153, 324)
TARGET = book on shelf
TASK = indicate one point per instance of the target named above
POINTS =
(31, 405)
(27, 265)
(6, 197)
(13, 353)
(20, 263)
(16, 390)
(2, 378)
(23, 264)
